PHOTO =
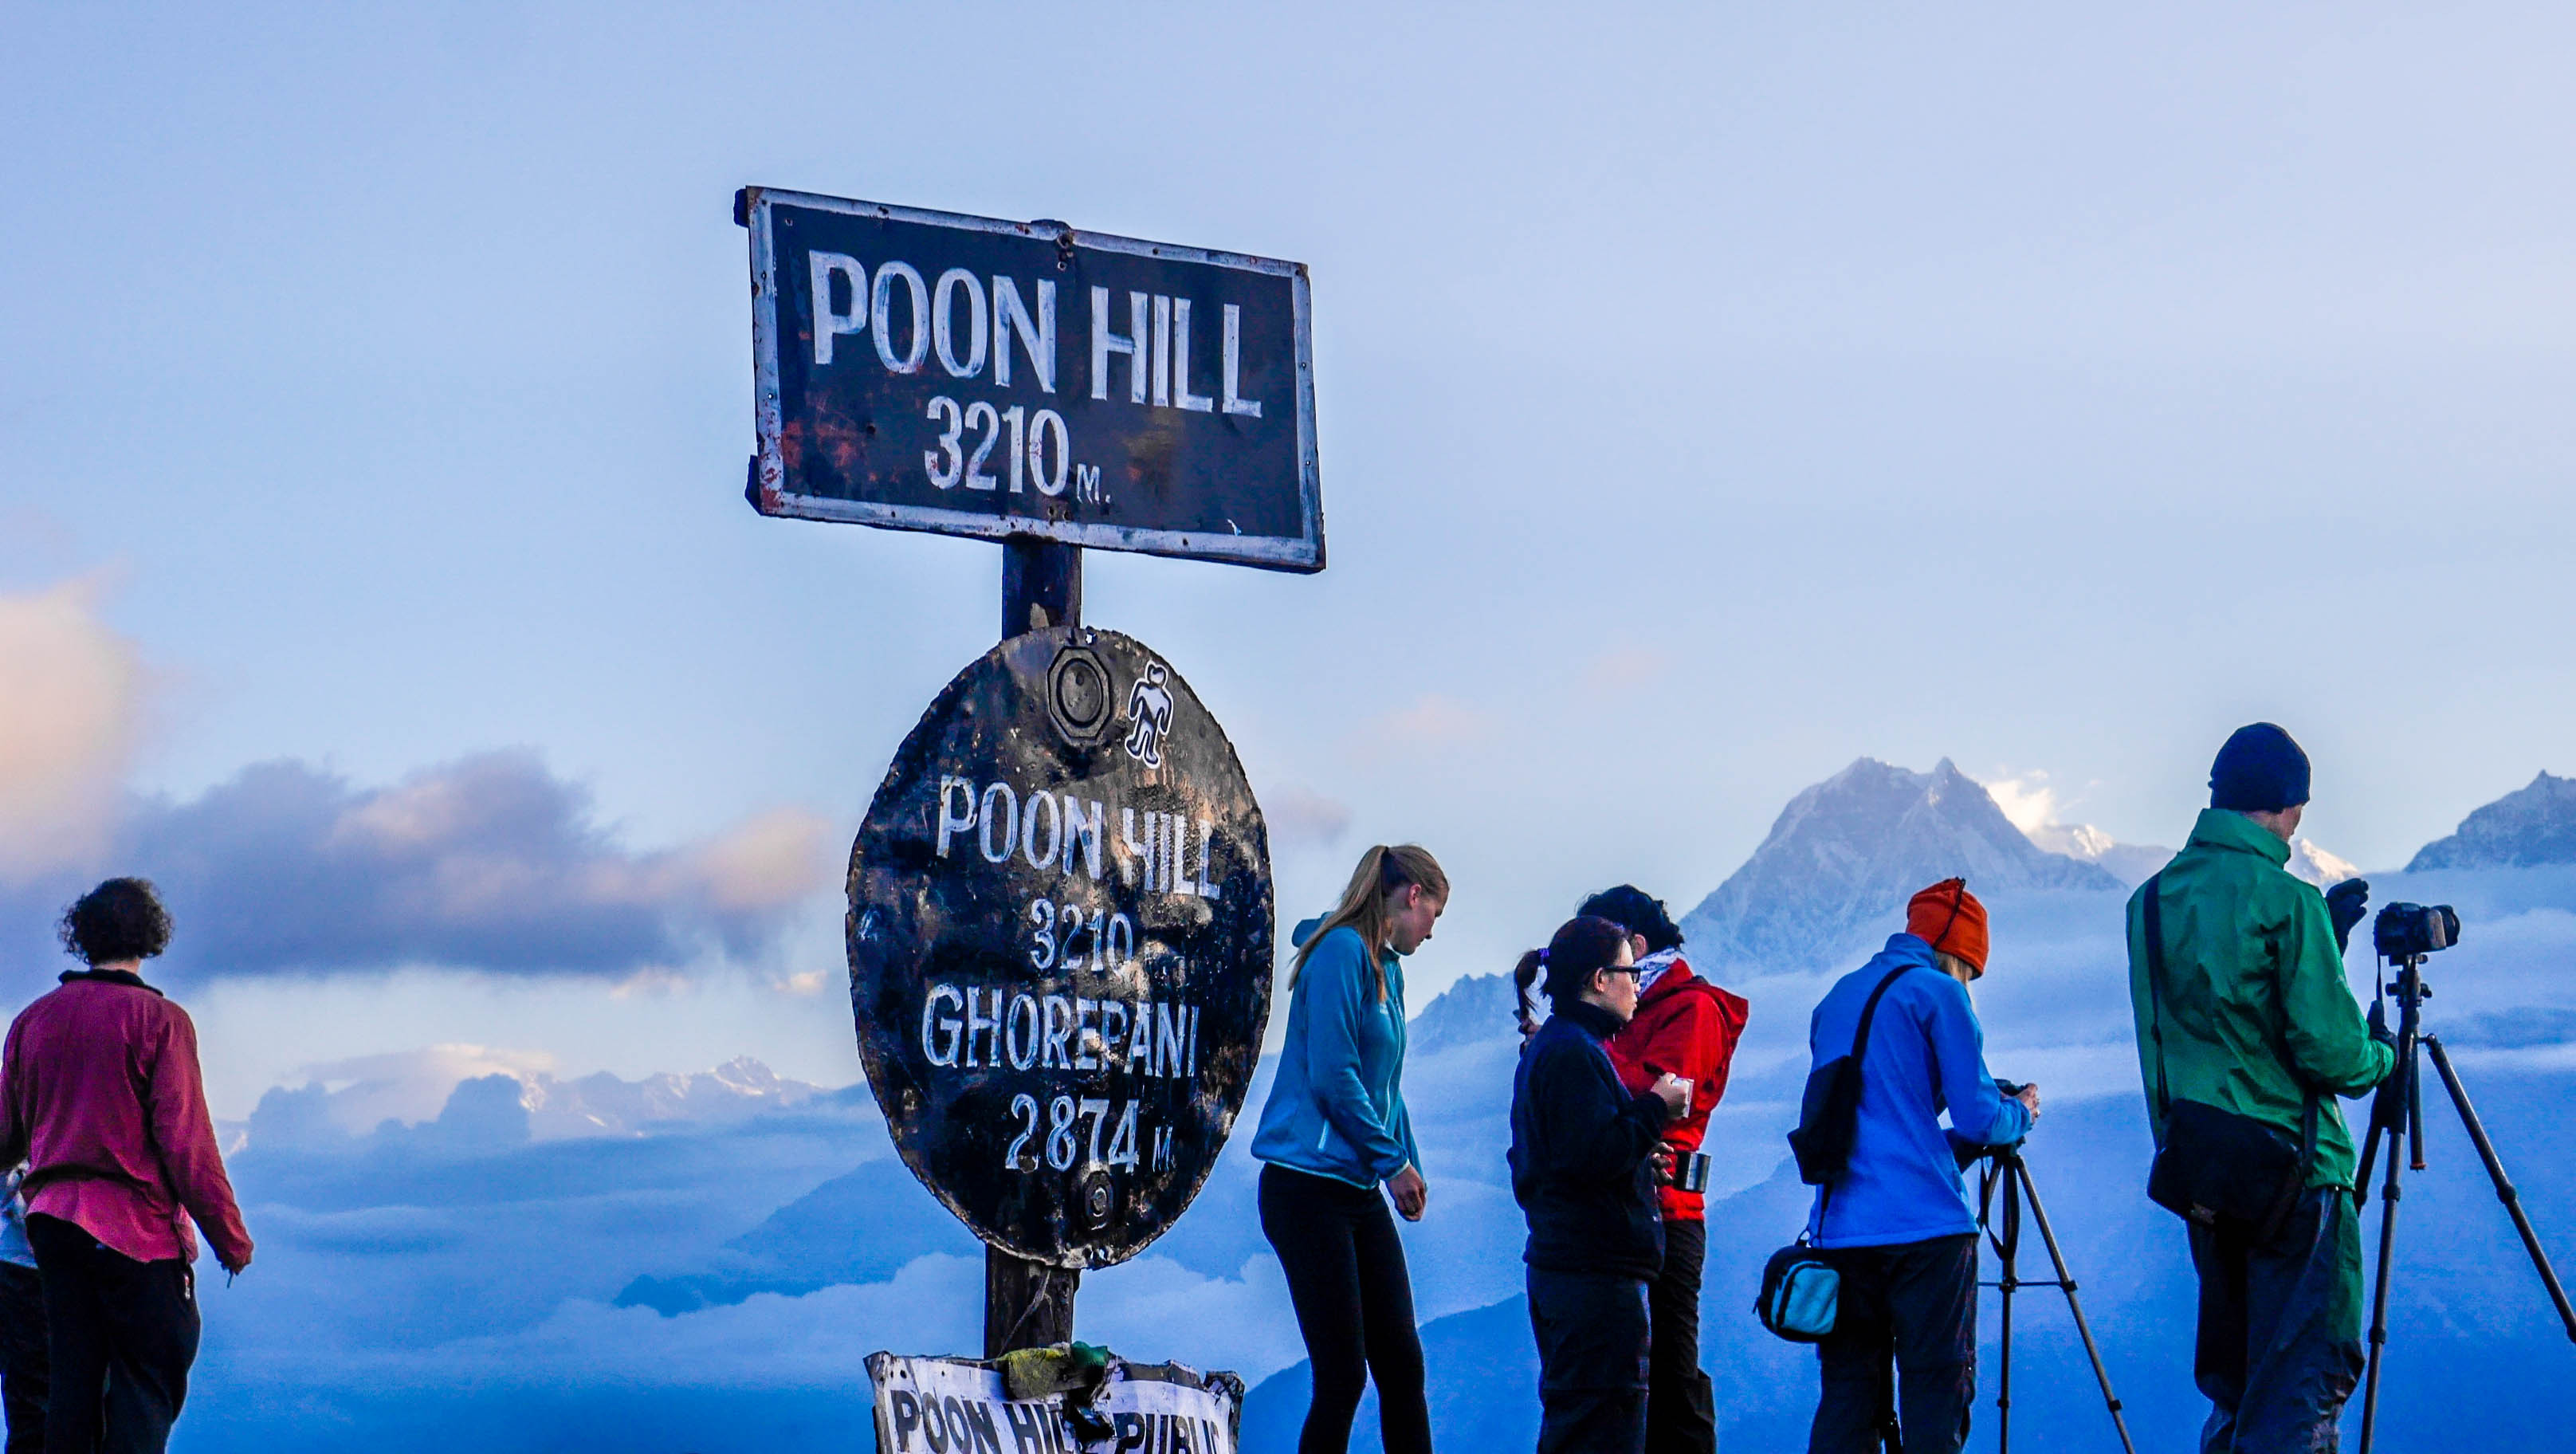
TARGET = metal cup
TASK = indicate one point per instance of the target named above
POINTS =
(1690, 1172)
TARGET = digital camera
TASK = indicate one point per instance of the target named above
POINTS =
(2411, 931)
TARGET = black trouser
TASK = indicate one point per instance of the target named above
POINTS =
(1916, 1304)
(121, 1335)
(1592, 1335)
(1345, 1267)
(2280, 1328)
(1681, 1408)
(22, 1356)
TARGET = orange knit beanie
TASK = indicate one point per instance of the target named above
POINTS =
(1949, 918)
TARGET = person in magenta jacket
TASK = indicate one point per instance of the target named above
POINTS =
(101, 1095)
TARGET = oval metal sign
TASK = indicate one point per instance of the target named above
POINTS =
(1060, 945)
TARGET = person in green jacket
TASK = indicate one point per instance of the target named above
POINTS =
(2256, 1018)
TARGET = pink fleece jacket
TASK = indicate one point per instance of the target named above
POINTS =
(101, 1095)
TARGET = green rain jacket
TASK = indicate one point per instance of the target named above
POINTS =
(2256, 1009)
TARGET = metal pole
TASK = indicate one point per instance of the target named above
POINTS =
(1030, 1304)
(1041, 585)
(1026, 1304)
(2504, 1189)
(2007, 1253)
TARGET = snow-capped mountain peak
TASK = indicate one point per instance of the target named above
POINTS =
(2531, 825)
(2318, 866)
(1844, 855)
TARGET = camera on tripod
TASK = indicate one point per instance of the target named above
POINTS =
(2411, 931)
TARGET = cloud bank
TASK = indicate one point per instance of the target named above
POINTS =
(490, 863)
(71, 696)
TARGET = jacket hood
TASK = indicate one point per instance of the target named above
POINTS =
(1665, 972)
(2227, 828)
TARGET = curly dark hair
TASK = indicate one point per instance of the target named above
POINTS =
(1638, 912)
(120, 919)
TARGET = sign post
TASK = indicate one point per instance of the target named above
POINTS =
(1060, 927)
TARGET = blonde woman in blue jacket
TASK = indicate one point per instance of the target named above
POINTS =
(1333, 1132)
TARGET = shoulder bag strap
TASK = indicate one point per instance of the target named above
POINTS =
(1859, 1052)
(2152, 930)
(2307, 1092)
(1869, 1012)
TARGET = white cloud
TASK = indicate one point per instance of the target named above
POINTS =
(1150, 1309)
(1154, 1308)
(411, 1085)
(2026, 799)
(821, 1340)
(71, 698)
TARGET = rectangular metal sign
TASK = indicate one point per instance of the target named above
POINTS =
(930, 371)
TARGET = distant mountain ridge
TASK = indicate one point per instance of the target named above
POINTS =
(1851, 849)
(2532, 825)
(2130, 863)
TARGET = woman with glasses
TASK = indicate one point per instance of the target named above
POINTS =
(1585, 1165)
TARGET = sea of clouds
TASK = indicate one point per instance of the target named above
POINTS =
(702, 1262)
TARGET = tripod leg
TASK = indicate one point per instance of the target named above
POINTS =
(2504, 1189)
(2007, 1250)
(2389, 1191)
(2066, 1280)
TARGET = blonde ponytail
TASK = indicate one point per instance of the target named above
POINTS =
(1382, 870)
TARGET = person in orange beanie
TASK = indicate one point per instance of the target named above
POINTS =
(1895, 1221)
(1953, 921)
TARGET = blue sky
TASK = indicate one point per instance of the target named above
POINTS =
(1707, 396)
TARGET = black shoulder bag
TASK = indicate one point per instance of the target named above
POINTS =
(1800, 1288)
(1829, 1111)
(2216, 1168)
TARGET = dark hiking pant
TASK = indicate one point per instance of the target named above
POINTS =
(22, 1357)
(1592, 1334)
(121, 1336)
(2280, 1330)
(1915, 1305)
(1346, 1278)
(1681, 1408)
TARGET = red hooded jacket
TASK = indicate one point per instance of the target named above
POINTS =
(1689, 1027)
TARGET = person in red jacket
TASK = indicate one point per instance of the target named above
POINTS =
(101, 1095)
(1688, 1027)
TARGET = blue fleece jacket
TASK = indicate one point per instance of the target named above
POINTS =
(1336, 1107)
(1927, 1054)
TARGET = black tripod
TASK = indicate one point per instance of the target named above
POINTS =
(2005, 1169)
(2400, 1117)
